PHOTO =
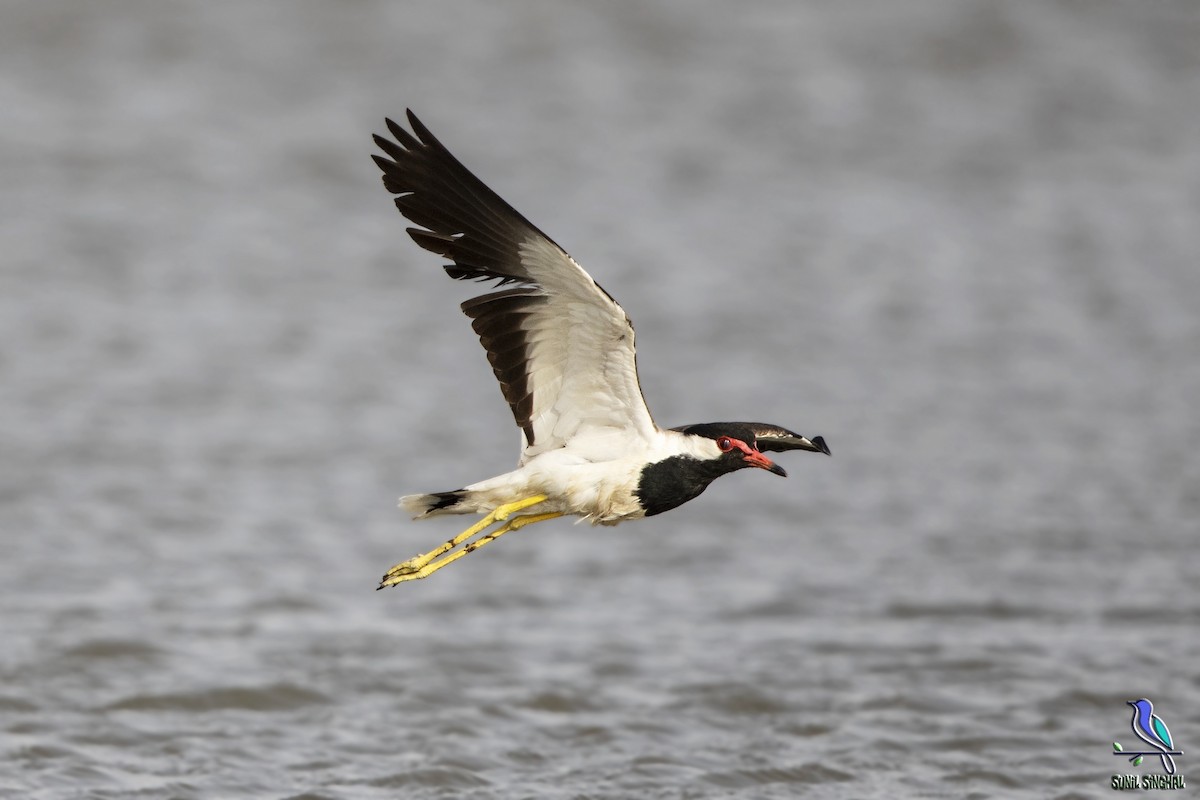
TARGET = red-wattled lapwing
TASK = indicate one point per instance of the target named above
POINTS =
(563, 352)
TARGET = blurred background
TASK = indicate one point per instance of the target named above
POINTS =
(958, 239)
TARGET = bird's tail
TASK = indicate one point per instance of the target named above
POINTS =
(426, 505)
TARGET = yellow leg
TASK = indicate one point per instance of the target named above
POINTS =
(516, 523)
(418, 566)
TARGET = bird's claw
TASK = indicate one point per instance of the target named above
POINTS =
(405, 567)
(401, 572)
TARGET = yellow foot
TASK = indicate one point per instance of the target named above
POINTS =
(425, 564)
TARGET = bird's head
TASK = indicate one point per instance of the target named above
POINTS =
(1140, 705)
(741, 444)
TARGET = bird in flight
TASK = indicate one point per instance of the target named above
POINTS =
(563, 352)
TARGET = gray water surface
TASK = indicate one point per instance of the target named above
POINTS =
(958, 239)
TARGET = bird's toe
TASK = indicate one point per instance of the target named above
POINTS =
(403, 568)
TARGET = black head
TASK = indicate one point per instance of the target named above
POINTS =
(665, 484)
(743, 443)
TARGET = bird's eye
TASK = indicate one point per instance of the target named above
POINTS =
(725, 443)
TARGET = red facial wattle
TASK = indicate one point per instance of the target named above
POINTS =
(750, 455)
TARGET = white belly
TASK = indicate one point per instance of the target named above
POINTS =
(594, 477)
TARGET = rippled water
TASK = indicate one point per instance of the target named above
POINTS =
(957, 239)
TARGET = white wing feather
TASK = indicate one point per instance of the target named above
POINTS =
(582, 365)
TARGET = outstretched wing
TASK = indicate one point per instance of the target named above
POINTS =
(561, 347)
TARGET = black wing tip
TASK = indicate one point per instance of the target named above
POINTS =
(419, 137)
(457, 215)
(419, 128)
(402, 141)
(395, 128)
